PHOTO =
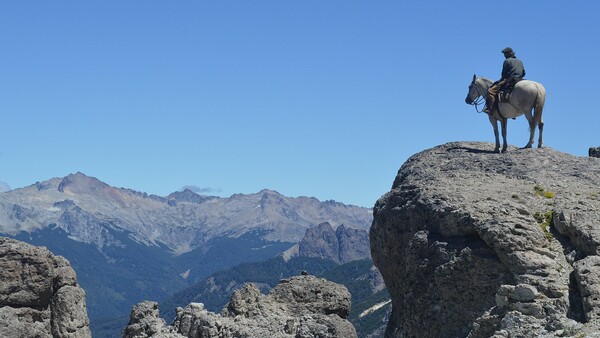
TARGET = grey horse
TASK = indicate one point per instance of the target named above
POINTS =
(528, 97)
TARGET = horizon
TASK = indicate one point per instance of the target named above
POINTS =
(192, 189)
(316, 99)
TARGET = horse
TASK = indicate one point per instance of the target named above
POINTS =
(527, 96)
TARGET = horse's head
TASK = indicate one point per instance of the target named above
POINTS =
(475, 91)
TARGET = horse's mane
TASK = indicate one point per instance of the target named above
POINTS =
(486, 80)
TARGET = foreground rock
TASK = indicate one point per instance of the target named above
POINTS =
(39, 295)
(302, 306)
(476, 244)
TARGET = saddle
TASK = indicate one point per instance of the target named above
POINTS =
(506, 90)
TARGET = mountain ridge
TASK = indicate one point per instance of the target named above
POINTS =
(194, 218)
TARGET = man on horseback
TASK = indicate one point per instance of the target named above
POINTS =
(512, 72)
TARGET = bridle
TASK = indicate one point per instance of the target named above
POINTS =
(480, 100)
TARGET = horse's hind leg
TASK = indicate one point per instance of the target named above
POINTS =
(494, 123)
(531, 121)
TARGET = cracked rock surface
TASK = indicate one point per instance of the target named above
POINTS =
(39, 294)
(472, 243)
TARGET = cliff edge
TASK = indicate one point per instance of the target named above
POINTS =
(476, 244)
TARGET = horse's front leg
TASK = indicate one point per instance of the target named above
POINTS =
(494, 123)
(541, 130)
(504, 124)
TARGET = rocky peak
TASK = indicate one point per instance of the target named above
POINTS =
(320, 241)
(353, 244)
(473, 243)
(341, 245)
(188, 196)
(301, 306)
(39, 294)
(270, 198)
(79, 183)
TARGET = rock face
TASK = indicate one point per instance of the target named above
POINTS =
(39, 295)
(476, 244)
(303, 306)
(342, 245)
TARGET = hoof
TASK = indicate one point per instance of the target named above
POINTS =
(497, 151)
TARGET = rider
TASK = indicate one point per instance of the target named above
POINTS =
(512, 72)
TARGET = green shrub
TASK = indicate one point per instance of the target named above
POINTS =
(545, 221)
(540, 191)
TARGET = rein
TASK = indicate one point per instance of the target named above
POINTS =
(480, 100)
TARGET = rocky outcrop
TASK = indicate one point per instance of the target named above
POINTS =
(342, 245)
(302, 306)
(476, 244)
(39, 295)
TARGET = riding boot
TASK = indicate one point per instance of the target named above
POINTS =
(488, 105)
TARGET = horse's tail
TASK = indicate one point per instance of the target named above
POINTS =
(540, 100)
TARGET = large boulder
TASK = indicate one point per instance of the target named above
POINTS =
(39, 294)
(472, 243)
(301, 307)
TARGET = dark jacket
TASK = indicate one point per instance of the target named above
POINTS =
(512, 69)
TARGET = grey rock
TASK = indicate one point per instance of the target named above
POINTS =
(302, 306)
(587, 273)
(476, 244)
(342, 245)
(353, 243)
(144, 322)
(310, 294)
(320, 241)
(524, 293)
(39, 294)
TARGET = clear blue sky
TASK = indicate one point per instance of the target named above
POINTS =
(309, 98)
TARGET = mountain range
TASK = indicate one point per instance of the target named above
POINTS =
(127, 246)
(87, 209)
